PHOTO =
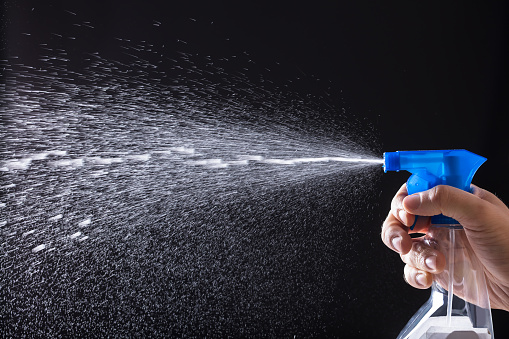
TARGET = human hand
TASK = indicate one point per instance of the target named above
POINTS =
(485, 219)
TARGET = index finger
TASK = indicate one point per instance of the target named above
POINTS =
(397, 205)
(405, 218)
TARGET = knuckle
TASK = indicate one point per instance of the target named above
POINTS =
(438, 194)
(420, 261)
(479, 192)
(480, 208)
(419, 254)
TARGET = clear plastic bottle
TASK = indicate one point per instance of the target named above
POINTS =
(459, 305)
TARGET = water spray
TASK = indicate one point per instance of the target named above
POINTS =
(445, 314)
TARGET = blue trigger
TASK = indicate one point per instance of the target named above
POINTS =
(415, 222)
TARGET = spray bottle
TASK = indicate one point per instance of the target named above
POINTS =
(459, 304)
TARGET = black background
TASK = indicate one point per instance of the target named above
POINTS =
(422, 75)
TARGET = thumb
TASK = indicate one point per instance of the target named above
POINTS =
(465, 207)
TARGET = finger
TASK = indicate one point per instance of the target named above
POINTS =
(488, 196)
(421, 225)
(424, 258)
(417, 278)
(395, 235)
(450, 201)
(397, 205)
(407, 219)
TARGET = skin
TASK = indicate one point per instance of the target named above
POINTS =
(485, 219)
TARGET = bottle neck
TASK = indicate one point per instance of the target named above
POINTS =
(444, 221)
(450, 226)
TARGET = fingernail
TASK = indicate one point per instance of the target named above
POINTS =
(396, 243)
(431, 262)
(420, 278)
(412, 202)
(402, 217)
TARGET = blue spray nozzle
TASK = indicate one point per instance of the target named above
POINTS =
(431, 168)
(391, 161)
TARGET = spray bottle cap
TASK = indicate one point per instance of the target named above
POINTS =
(431, 168)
